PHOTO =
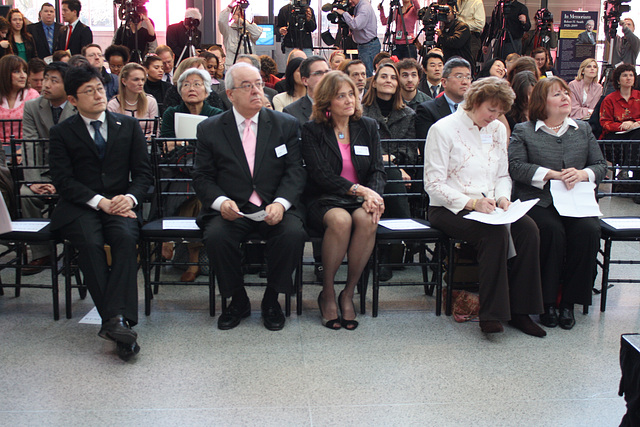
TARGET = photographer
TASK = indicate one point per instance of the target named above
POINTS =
(627, 46)
(454, 36)
(364, 30)
(471, 12)
(403, 46)
(231, 24)
(295, 23)
(138, 26)
(178, 34)
(516, 23)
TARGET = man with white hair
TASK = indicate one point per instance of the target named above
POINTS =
(587, 36)
(249, 177)
(232, 23)
(178, 34)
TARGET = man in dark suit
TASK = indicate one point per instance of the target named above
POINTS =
(312, 70)
(40, 115)
(456, 79)
(248, 161)
(75, 35)
(100, 167)
(46, 33)
(178, 35)
(587, 36)
(454, 38)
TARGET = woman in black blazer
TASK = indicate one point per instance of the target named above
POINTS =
(342, 153)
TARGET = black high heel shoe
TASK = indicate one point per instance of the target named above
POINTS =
(349, 325)
(333, 324)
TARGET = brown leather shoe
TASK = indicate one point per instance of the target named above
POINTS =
(189, 276)
(491, 326)
(36, 266)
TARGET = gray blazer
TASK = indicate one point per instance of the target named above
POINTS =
(36, 122)
(301, 109)
(529, 150)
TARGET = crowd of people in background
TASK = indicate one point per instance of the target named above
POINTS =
(510, 104)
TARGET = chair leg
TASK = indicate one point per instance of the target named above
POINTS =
(606, 264)
(54, 280)
(20, 261)
(67, 278)
(376, 279)
(438, 277)
(299, 288)
(212, 291)
(146, 273)
(450, 271)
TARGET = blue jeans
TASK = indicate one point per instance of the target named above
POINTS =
(366, 53)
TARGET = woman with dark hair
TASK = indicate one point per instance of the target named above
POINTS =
(620, 110)
(522, 85)
(13, 93)
(543, 61)
(143, 31)
(116, 56)
(22, 43)
(552, 146)
(524, 63)
(293, 84)
(466, 169)
(268, 71)
(344, 188)
(495, 67)
(585, 90)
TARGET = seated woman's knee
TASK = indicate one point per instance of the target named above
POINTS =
(338, 220)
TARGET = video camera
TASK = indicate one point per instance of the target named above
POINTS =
(131, 10)
(239, 3)
(613, 9)
(430, 16)
(332, 16)
(544, 19)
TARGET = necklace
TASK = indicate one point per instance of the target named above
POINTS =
(341, 134)
(132, 104)
(556, 127)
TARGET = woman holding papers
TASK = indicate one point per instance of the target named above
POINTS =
(341, 150)
(466, 169)
(193, 85)
(552, 146)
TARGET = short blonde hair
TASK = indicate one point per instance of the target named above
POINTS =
(326, 91)
(491, 89)
(584, 65)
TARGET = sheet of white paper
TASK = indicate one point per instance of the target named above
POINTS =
(186, 124)
(5, 219)
(579, 202)
(92, 318)
(256, 216)
(402, 224)
(179, 224)
(29, 226)
(516, 211)
(623, 223)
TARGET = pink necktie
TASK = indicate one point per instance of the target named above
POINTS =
(249, 145)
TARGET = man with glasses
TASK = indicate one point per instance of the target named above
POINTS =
(312, 70)
(249, 177)
(456, 79)
(93, 53)
(100, 167)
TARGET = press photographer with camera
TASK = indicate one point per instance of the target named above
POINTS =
(239, 36)
(509, 22)
(627, 46)
(136, 31)
(405, 24)
(454, 36)
(364, 30)
(185, 35)
(295, 23)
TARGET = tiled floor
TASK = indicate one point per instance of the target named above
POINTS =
(405, 367)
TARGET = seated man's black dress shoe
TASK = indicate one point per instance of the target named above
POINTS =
(233, 314)
(566, 318)
(550, 317)
(272, 316)
(117, 329)
(127, 351)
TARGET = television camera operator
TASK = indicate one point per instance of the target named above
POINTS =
(295, 23)
(184, 37)
(239, 36)
(364, 29)
(509, 22)
(454, 36)
(136, 31)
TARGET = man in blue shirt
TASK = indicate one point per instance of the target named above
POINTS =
(46, 32)
(364, 30)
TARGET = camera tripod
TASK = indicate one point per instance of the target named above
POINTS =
(189, 48)
(243, 40)
(389, 45)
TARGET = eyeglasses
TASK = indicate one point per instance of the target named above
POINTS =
(196, 85)
(320, 73)
(92, 91)
(462, 76)
(248, 87)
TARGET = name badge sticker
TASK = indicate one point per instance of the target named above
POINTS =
(361, 150)
(486, 139)
(281, 150)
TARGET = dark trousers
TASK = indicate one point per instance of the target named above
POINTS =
(503, 290)
(114, 289)
(405, 51)
(285, 242)
(568, 251)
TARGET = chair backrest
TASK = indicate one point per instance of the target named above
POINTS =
(10, 128)
(30, 166)
(150, 126)
(623, 168)
(405, 155)
(172, 160)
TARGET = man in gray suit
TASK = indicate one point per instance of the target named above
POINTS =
(39, 116)
(312, 70)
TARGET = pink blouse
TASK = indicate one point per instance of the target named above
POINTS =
(348, 171)
(410, 19)
(14, 113)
